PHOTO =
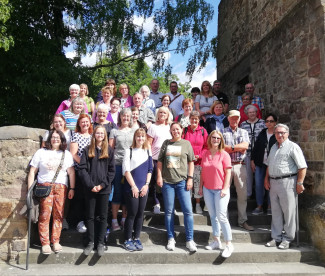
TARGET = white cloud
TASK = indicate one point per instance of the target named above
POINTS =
(148, 23)
(87, 60)
(150, 60)
(208, 73)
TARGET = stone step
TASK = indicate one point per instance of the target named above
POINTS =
(157, 254)
(256, 269)
(152, 219)
(157, 235)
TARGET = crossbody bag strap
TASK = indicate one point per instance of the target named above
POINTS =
(175, 98)
(59, 168)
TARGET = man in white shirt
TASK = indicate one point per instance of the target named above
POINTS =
(176, 98)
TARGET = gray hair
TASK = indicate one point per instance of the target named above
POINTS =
(74, 86)
(77, 100)
(282, 125)
(194, 113)
(144, 87)
(169, 119)
(103, 107)
(249, 107)
(123, 112)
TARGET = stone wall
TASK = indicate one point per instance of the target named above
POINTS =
(17, 146)
(279, 46)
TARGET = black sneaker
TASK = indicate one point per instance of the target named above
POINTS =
(89, 248)
(100, 249)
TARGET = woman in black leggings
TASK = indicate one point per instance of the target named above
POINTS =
(137, 169)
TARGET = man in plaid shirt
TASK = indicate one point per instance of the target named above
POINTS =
(249, 87)
(236, 144)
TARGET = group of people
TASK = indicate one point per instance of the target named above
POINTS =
(118, 150)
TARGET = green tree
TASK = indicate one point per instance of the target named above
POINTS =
(35, 73)
(5, 40)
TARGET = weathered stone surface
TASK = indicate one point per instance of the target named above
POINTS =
(314, 57)
(20, 132)
(314, 71)
(5, 210)
(19, 245)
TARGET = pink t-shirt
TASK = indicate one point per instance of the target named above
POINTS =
(213, 174)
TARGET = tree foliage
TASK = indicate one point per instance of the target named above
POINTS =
(35, 73)
(5, 40)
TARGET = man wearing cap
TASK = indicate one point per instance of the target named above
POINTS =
(222, 97)
(284, 178)
(250, 88)
(236, 144)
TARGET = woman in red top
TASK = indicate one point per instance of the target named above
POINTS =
(215, 183)
(197, 136)
(247, 100)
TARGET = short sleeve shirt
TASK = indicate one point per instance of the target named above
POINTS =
(174, 157)
(205, 102)
(82, 142)
(286, 159)
(123, 140)
(233, 138)
(253, 131)
(159, 133)
(48, 161)
(213, 169)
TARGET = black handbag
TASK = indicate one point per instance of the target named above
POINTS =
(43, 191)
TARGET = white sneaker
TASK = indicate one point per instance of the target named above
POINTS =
(214, 245)
(191, 245)
(81, 227)
(171, 244)
(226, 253)
(156, 209)
(198, 208)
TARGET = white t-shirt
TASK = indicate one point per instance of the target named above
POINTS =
(48, 161)
(159, 133)
(67, 134)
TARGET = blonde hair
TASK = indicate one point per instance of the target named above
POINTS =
(92, 147)
(85, 85)
(214, 105)
(168, 120)
(222, 141)
(138, 132)
(210, 88)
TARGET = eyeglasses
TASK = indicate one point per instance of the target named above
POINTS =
(280, 133)
(269, 121)
(217, 138)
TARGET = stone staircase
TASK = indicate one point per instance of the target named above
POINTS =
(250, 257)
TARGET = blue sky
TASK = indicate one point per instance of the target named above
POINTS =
(177, 61)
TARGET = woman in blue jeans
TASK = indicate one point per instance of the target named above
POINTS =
(175, 168)
(264, 142)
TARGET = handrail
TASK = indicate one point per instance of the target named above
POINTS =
(30, 195)
(29, 208)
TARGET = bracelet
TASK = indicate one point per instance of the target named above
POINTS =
(300, 183)
(147, 183)
(72, 189)
(191, 177)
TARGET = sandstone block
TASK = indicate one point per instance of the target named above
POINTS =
(314, 57)
(20, 132)
(19, 245)
(314, 71)
(5, 210)
(305, 124)
(321, 136)
(318, 124)
(14, 229)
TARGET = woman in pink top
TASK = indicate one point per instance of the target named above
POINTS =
(197, 136)
(74, 91)
(215, 183)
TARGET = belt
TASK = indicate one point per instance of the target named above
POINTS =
(238, 162)
(285, 176)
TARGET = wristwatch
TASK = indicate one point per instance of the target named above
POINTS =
(232, 148)
(300, 183)
(191, 177)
